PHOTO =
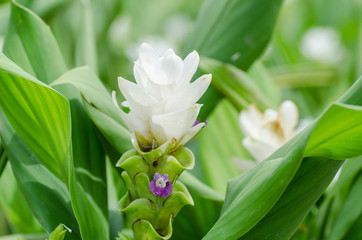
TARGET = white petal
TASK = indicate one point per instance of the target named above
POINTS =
(191, 63)
(147, 56)
(134, 94)
(172, 66)
(191, 133)
(173, 125)
(150, 87)
(270, 115)
(132, 122)
(251, 121)
(188, 95)
(169, 52)
(140, 75)
(258, 149)
(288, 114)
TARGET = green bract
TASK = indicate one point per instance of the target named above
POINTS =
(151, 216)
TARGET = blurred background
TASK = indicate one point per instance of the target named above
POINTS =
(314, 55)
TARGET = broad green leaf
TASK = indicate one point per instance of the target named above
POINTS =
(249, 194)
(193, 222)
(355, 232)
(308, 184)
(235, 84)
(46, 195)
(220, 145)
(3, 158)
(16, 210)
(99, 106)
(86, 53)
(89, 161)
(44, 127)
(338, 133)
(44, 8)
(350, 212)
(234, 31)
(55, 132)
(31, 45)
(197, 188)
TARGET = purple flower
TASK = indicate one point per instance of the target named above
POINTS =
(160, 186)
(197, 122)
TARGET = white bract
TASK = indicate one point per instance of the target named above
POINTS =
(266, 132)
(163, 102)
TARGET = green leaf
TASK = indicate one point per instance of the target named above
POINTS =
(250, 198)
(54, 117)
(89, 158)
(220, 144)
(44, 127)
(3, 158)
(46, 195)
(350, 212)
(198, 188)
(58, 233)
(308, 184)
(15, 208)
(99, 106)
(86, 53)
(251, 195)
(337, 133)
(235, 84)
(234, 31)
(30, 43)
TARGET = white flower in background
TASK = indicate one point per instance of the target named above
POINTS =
(322, 44)
(266, 132)
(163, 102)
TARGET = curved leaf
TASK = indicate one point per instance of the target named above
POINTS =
(31, 45)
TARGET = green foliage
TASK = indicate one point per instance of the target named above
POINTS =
(234, 31)
(247, 193)
(58, 125)
(58, 233)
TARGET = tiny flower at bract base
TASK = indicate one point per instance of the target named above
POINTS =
(266, 132)
(160, 186)
(162, 103)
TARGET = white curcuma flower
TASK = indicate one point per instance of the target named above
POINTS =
(266, 132)
(163, 102)
(322, 44)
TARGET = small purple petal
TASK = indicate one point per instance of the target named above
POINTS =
(156, 176)
(157, 191)
(197, 122)
(167, 190)
(165, 177)
(160, 191)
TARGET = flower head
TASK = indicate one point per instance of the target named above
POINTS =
(163, 102)
(160, 186)
(266, 132)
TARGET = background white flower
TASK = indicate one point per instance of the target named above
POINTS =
(322, 44)
(266, 132)
(163, 102)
